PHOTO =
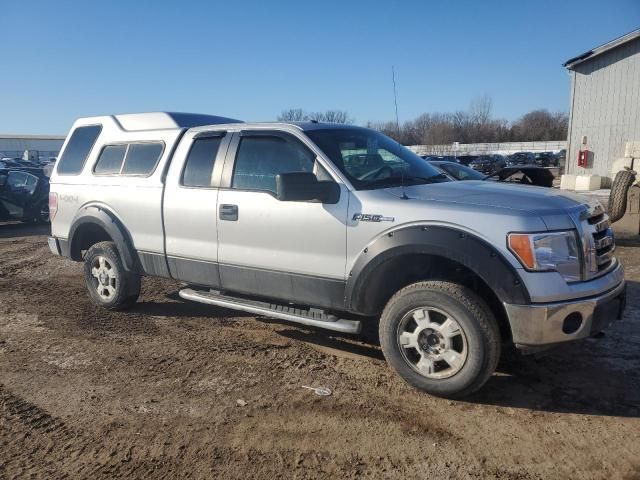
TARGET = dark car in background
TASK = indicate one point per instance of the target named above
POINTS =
(521, 158)
(466, 159)
(545, 159)
(440, 158)
(456, 171)
(24, 195)
(488, 164)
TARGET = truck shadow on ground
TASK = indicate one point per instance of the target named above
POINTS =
(590, 377)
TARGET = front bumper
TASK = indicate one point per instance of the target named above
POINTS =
(540, 325)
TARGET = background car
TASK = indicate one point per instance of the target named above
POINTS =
(521, 158)
(488, 164)
(440, 158)
(456, 171)
(545, 159)
(466, 159)
(24, 195)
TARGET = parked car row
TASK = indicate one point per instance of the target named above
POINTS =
(491, 163)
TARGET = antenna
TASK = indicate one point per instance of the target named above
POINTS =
(395, 97)
(395, 100)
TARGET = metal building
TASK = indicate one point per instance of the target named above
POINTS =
(29, 146)
(605, 104)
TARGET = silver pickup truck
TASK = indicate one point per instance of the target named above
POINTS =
(330, 226)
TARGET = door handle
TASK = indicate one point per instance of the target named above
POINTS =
(229, 212)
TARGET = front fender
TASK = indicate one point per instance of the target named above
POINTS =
(472, 252)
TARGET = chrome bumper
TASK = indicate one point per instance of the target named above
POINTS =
(546, 324)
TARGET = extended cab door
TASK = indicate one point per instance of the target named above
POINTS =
(190, 213)
(290, 250)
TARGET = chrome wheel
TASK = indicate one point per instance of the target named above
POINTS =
(104, 278)
(432, 342)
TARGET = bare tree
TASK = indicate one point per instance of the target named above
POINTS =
(293, 115)
(299, 115)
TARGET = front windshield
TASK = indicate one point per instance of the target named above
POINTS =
(370, 159)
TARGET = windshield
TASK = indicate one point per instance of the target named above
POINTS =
(370, 159)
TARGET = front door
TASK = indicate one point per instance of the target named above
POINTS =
(293, 251)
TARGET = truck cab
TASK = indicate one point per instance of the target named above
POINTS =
(331, 226)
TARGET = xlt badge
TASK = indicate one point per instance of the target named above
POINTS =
(368, 217)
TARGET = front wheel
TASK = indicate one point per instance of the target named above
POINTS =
(110, 285)
(440, 337)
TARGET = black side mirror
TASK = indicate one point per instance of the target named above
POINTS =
(305, 187)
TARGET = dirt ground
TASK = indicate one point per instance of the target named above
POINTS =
(174, 389)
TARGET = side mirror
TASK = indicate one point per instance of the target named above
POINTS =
(305, 187)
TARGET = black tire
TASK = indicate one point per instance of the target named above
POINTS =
(117, 289)
(618, 195)
(479, 331)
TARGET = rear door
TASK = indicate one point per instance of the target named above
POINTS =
(294, 250)
(17, 193)
(190, 214)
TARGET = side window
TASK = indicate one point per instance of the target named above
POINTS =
(142, 158)
(110, 160)
(260, 159)
(199, 164)
(78, 149)
(17, 181)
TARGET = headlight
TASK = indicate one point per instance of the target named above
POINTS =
(543, 252)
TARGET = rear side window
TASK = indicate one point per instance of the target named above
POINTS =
(199, 165)
(142, 158)
(110, 160)
(78, 149)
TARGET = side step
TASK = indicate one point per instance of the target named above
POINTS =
(312, 317)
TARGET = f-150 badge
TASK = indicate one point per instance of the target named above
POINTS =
(368, 217)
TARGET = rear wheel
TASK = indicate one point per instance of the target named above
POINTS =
(440, 337)
(109, 284)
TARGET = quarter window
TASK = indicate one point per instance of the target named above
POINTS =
(261, 159)
(142, 158)
(110, 160)
(198, 169)
(78, 148)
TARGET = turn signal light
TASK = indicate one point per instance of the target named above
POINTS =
(521, 246)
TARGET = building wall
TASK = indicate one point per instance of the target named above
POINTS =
(605, 107)
(15, 145)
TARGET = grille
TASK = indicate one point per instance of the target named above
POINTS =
(599, 243)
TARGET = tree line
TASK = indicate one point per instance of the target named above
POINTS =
(474, 125)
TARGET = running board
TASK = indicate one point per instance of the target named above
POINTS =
(312, 317)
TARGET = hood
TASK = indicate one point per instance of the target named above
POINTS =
(477, 193)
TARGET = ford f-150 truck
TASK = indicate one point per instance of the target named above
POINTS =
(331, 226)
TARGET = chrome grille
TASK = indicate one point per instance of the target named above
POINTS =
(598, 241)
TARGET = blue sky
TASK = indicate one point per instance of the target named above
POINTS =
(60, 60)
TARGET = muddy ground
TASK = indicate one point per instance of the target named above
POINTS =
(157, 392)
